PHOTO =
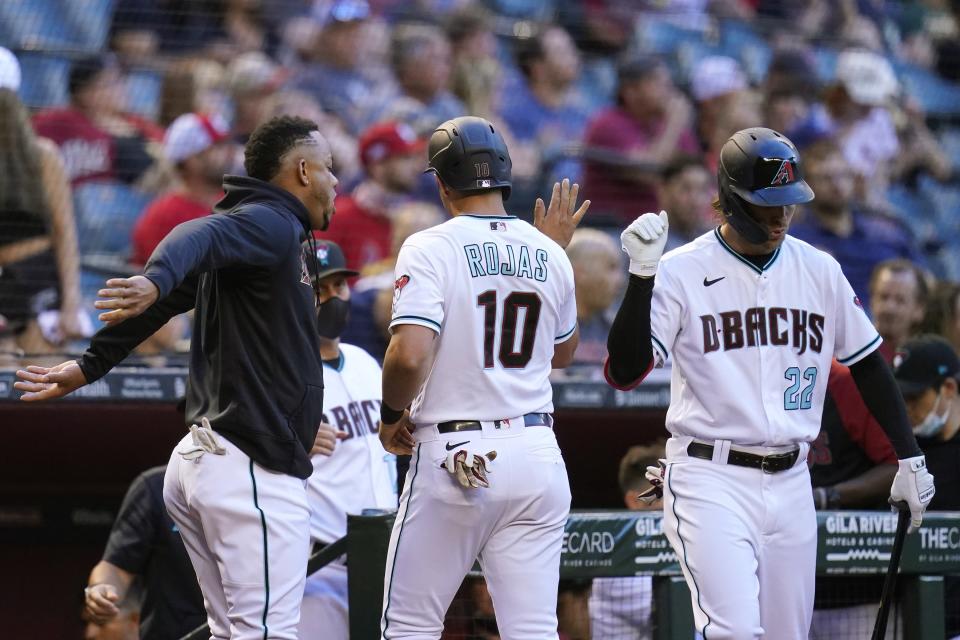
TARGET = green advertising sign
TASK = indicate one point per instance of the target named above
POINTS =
(849, 543)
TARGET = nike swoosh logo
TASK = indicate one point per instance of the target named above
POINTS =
(707, 283)
(451, 447)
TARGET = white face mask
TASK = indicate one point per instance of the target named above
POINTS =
(933, 423)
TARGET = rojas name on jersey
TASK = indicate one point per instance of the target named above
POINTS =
(491, 259)
(759, 327)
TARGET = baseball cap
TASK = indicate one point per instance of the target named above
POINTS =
(9, 70)
(923, 363)
(341, 11)
(387, 140)
(193, 133)
(254, 71)
(715, 76)
(330, 260)
(867, 77)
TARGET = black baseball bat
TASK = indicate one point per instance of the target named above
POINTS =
(890, 582)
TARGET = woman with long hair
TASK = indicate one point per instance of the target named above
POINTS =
(39, 260)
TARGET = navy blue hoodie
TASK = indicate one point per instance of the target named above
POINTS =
(255, 369)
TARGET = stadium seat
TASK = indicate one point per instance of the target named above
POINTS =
(659, 36)
(44, 82)
(914, 210)
(938, 97)
(825, 61)
(739, 40)
(143, 93)
(106, 213)
(75, 26)
(949, 139)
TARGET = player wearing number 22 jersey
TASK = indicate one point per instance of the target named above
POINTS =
(483, 308)
(751, 319)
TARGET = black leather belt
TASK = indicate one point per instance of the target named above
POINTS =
(773, 463)
(529, 420)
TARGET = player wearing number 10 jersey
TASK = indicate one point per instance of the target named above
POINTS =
(483, 308)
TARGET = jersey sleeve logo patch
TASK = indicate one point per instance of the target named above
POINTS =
(398, 286)
(785, 174)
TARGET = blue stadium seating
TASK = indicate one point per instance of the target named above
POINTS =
(938, 97)
(660, 36)
(949, 139)
(106, 213)
(143, 93)
(739, 40)
(44, 81)
(75, 26)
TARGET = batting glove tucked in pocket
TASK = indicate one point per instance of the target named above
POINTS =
(469, 464)
(654, 476)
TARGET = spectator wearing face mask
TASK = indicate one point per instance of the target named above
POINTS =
(927, 369)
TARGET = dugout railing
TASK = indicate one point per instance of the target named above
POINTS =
(627, 543)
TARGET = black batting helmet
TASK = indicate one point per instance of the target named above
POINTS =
(469, 155)
(762, 167)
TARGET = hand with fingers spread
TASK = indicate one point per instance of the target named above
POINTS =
(397, 438)
(126, 298)
(643, 241)
(560, 219)
(47, 383)
(326, 441)
(100, 601)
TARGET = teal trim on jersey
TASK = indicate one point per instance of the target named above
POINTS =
(266, 557)
(339, 364)
(854, 356)
(567, 334)
(432, 322)
(683, 547)
(666, 352)
(739, 257)
(484, 217)
(396, 550)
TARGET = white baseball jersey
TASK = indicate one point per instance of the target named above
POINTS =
(752, 346)
(360, 474)
(503, 294)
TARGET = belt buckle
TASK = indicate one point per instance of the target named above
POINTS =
(775, 457)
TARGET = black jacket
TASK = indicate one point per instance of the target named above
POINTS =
(255, 369)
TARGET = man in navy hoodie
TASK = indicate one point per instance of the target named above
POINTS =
(235, 484)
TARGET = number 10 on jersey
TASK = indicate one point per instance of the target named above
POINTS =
(511, 355)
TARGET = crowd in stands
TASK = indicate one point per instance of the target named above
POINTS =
(139, 107)
(117, 123)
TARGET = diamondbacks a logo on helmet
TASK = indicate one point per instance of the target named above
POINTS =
(784, 174)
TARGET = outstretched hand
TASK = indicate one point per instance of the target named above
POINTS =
(47, 383)
(560, 219)
(126, 298)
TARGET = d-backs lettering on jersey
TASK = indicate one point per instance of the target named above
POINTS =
(500, 295)
(751, 347)
(360, 474)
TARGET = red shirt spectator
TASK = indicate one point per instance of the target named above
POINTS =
(96, 138)
(196, 145)
(159, 219)
(393, 159)
(627, 145)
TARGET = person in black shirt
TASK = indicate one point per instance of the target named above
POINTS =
(928, 371)
(145, 544)
(235, 484)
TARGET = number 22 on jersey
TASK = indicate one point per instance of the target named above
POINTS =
(511, 354)
(793, 397)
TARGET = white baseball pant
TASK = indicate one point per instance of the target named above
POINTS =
(514, 528)
(747, 544)
(324, 612)
(247, 532)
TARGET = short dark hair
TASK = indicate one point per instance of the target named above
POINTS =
(271, 141)
(633, 467)
(85, 70)
(529, 51)
(902, 265)
(678, 164)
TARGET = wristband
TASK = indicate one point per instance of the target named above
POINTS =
(389, 415)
